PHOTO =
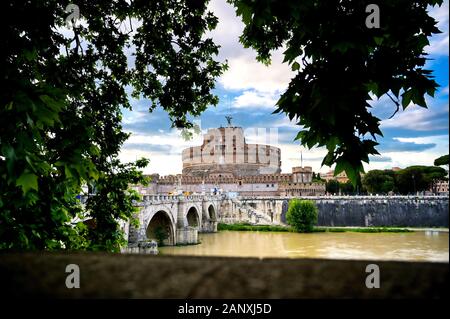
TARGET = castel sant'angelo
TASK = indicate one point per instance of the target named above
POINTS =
(225, 162)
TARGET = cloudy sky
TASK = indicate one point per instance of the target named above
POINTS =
(249, 90)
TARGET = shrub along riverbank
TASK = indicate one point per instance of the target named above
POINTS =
(273, 228)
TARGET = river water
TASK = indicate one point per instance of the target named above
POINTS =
(417, 246)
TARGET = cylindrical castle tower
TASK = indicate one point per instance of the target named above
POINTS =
(224, 152)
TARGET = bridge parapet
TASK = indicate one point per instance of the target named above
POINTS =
(347, 197)
(177, 198)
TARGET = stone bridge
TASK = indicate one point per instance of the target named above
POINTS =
(179, 218)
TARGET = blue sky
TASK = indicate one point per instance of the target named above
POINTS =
(249, 90)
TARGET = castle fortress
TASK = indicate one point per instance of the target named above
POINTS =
(225, 153)
(225, 161)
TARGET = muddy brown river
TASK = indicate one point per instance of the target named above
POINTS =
(413, 246)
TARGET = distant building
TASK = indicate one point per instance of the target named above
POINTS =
(225, 162)
(442, 188)
(341, 177)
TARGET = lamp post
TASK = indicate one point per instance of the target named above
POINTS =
(414, 184)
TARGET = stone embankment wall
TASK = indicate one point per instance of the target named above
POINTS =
(405, 211)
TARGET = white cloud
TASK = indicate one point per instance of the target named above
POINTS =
(291, 156)
(441, 141)
(285, 122)
(423, 139)
(419, 119)
(165, 159)
(134, 116)
(162, 164)
(246, 73)
(255, 99)
(405, 159)
(228, 30)
(439, 43)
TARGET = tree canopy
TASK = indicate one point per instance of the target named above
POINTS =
(443, 160)
(63, 91)
(409, 180)
(341, 64)
(332, 186)
(379, 181)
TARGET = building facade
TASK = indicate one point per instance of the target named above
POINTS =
(442, 188)
(341, 177)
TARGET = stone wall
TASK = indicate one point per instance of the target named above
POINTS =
(404, 211)
(41, 275)
(411, 212)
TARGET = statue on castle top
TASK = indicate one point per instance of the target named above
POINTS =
(229, 118)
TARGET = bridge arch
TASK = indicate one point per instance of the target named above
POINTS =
(193, 217)
(161, 226)
(212, 215)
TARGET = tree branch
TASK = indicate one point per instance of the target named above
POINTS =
(77, 40)
(396, 103)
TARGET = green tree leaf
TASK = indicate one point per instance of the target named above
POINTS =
(27, 181)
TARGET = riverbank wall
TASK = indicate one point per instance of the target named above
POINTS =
(403, 211)
(358, 211)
